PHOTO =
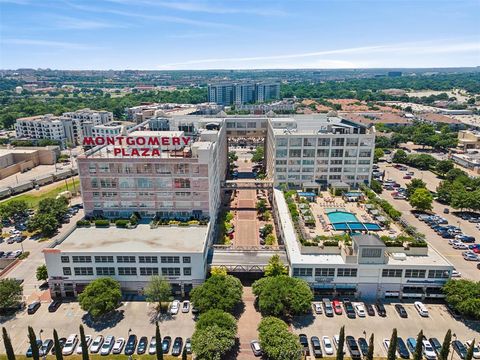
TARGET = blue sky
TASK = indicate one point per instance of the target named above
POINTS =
(240, 34)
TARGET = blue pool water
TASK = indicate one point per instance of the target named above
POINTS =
(345, 221)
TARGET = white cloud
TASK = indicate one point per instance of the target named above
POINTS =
(66, 22)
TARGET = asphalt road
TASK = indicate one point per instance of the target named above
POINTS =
(467, 268)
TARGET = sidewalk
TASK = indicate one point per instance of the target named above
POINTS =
(247, 325)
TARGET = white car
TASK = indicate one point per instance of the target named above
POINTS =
(454, 241)
(327, 345)
(70, 345)
(317, 307)
(152, 348)
(428, 350)
(97, 343)
(186, 306)
(476, 349)
(336, 340)
(174, 307)
(460, 246)
(421, 308)
(88, 341)
(360, 310)
(107, 345)
(386, 344)
(456, 273)
(118, 347)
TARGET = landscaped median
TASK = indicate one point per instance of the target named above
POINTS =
(100, 357)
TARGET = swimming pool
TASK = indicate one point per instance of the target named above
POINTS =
(346, 221)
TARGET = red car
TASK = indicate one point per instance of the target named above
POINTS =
(407, 177)
(337, 307)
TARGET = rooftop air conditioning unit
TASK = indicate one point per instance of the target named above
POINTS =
(399, 256)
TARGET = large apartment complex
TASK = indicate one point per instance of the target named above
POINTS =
(242, 93)
(68, 127)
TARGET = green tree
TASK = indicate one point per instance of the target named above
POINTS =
(216, 270)
(276, 341)
(464, 296)
(445, 350)
(378, 153)
(56, 346)
(399, 157)
(270, 239)
(32, 338)
(216, 317)
(258, 154)
(212, 343)
(184, 353)
(275, 267)
(83, 342)
(392, 348)
(42, 273)
(417, 354)
(10, 293)
(421, 199)
(261, 206)
(266, 216)
(158, 291)
(414, 185)
(8, 345)
(371, 346)
(469, 355)
(341, 344)
(222, 292)
(444, 166)
(376, 186)
(454, 174)
(100, 297)
(46, 223)
(13, 208)
(283, 295)
(158, 342)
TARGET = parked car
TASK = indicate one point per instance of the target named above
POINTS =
(402, 349)
(360, 310)
(317, 307)
(118, 346)
(167, 340)
(88, 341)
(437, 346)
(421, 308)
(386, 344)
(177, 346)
(327, 345)
(188, 345)
(96, 344)
(29, 352)
(401, 310)
(152, 348)
(131, 345)
(353, 347)
(255, 345)
(142, 345)
(316, 347)
(428, 350)
(370, 310)
(304, 342)
(61, 342)
(33, 307)
(327, 304)
(70, 345)
(476, 349)
(186, 306)
(459, 348)
(54, 305)
(46, 347)
(337, 307)
(349, 310)
(411, 344)
(380, 309)
(174, 307)
(107, 345)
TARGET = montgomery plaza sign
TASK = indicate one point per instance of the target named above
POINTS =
(143, 146)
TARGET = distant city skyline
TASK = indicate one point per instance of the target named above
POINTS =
(244, 34)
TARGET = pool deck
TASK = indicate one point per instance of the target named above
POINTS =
(322, 206)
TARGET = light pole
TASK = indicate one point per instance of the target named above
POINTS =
(455, 336)
(129, 331)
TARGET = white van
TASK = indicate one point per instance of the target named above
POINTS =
(422, 309)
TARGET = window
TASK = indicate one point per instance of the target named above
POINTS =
(308, 152)
(346, 272)
(64, 259)
(414, 273)
(104, 259)
(67, 271)
(293, 153)
(296, 142)
(438, 274)
(352, 142)
(83, 271)
(187, 271)
(170, 259)
(105, 271)
(281, 153)
(322, 153)
(82, 259)
(182, 183)
(337, 153)
(323, 142)
(148, 259)
(309, 142)
(171, 271)
(325, 272)
(126, 259)
(302, 271)
(148, 271)
(187, 259)
(372, 253)
(392, 273)
(128, 271)
(282, 142)
(338, 142)
(365, 153)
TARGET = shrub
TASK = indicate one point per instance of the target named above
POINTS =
(102, 223)
(83, 223)
(183, 223)
(24, 255)
(121, 223)
(330, 243)
(270, 239)
(193, 222)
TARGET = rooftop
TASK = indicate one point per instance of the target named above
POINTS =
(368, 240)
(164, 239)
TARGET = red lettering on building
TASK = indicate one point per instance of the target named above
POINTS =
(175, 140)
(165, 141)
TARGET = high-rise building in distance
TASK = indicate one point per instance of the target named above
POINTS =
(242, 93)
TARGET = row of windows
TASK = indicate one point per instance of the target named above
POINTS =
(325, 272)
(325, 153)
(414, 273)
(125, 271)
(127, 259)
(144, 168)
(352, 272)
(324, 142)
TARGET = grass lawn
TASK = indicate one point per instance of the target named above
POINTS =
(33, 197)
(99, 357)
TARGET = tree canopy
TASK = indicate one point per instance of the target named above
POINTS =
(275, 267)
(158, 291)
(421, 199)
(10, 293)
(100, 297)
(283, 295)
(464, 296)
(42, 273)
(222, 292)
(276, 341)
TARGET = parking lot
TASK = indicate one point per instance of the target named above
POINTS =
(139, 317)
(468, 269)
(436, 325)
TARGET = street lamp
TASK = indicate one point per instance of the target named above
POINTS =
(455, 336)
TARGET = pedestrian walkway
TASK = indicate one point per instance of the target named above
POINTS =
(247, 325)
